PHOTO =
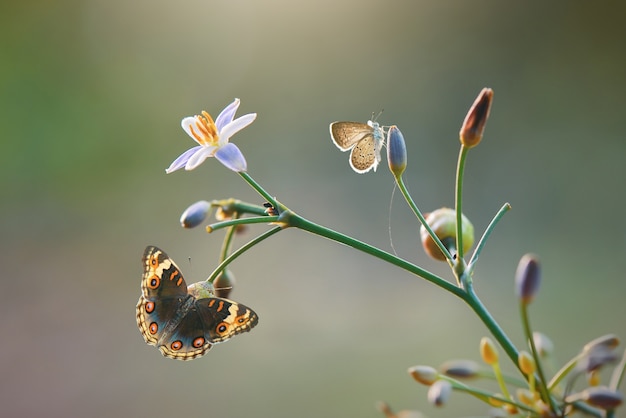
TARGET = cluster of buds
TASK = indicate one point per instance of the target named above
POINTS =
(532, 395)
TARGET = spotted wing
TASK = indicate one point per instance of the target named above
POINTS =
(346, 135)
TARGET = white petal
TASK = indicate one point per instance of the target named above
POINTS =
(187, 123)
(235, 126)
(182, 159)
(199, 157)
(227, 115)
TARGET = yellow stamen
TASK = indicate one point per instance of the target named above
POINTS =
(206, 133)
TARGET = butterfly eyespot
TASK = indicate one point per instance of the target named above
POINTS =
(222, 328)
(154, 282)
(198, 342)
(241, 319)
(154, 328)
(149, 307)
(154, 261)
(176, 345)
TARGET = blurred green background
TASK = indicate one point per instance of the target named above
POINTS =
(92, 94)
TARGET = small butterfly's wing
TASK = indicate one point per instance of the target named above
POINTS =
(345, 135)
(364, 155)
(163, 291)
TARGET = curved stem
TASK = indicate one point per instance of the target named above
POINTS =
(418, 213)
(227, 244)
(240, 251)
(485, 316)
(483, 240)
(289, 218)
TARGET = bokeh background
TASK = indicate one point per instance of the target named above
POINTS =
(91, 97)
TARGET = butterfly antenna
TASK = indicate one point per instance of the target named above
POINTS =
(376, 115)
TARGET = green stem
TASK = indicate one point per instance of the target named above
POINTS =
(486, 396)
(236, 205)
(460, 168)
(418, 213)
(260, 190)
(545, 394)
(240, 251)
(485, 316)
(483, 240)
(228, 240)
(241, 221)
(289, 218)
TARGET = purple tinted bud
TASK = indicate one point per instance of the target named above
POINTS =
(396, 151)
(195, 214)
(527, 278)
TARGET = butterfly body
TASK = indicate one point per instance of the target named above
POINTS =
(184, 322)
(365, 140)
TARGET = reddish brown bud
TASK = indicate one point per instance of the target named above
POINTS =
(474, 124)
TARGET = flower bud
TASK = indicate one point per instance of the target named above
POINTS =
(425, 375)
(488, 351)
(609, 341)
(599, 396)
(543, 344)
(597, 357)
(460, 369)
(195, 214)
(526, 397)
(443, 223)
(224, 283)
(439, 392)
(593, 377)
(396, 151)
(527, 278)
(526, 363)
(201, 290)
(474, 124)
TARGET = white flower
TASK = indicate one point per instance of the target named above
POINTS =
(213, 139)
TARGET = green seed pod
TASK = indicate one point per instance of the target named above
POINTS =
(443, 223)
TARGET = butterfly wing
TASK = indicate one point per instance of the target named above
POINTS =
(345, 135)
(364, 155)
(163, 291)
(224, 318)
(206, 321)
